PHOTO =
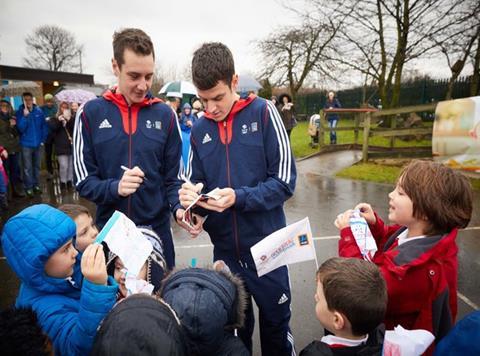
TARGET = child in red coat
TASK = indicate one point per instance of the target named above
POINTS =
(418, 255)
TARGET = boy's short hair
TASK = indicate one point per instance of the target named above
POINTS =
(27, 93)
(20, 333)
(212, 63)
(439, 194)
(356, 289)
(74, 210)
(133, 39)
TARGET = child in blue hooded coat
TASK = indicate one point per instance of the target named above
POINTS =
(37, 243)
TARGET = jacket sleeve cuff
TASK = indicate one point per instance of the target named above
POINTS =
(174, 210)
(114, 189)
(240, 197)
(99, 297)
(377, 229)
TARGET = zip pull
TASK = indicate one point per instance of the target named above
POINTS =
(226, 131)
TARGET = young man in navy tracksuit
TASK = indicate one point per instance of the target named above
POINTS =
(130, 128)
(241, 146)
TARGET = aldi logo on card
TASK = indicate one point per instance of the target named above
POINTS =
(303, 239)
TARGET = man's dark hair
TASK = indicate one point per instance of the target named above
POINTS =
(20, 334)
(440, 195)
(27, 93)
(133, 39)
(356, 289)
(212, 63)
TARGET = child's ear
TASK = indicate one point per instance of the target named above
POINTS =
(338, 321)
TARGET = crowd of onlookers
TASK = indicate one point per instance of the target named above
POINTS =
(22, 133)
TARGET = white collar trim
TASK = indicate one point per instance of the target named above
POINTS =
(336, 340)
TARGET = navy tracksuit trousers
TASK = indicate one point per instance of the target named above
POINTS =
(271, 293)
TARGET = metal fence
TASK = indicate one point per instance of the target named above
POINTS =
(414, 92)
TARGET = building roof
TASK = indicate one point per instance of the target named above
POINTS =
(32, 74)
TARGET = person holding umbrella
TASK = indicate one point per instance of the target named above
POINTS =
(127, 146)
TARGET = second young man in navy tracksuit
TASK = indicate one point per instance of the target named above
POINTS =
(241, 146)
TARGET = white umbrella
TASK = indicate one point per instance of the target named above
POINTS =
(79, 96)
(178, 87)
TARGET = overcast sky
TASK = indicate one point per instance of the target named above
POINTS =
(176, 27)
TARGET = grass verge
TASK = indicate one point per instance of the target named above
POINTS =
(380, 173)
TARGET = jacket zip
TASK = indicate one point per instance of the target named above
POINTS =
(234, 214)
(129, 201)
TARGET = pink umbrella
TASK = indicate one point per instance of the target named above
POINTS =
(80, 96)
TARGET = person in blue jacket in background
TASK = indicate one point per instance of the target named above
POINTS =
(240, 146)
(33, 131)
(187, 119)
(37, 243)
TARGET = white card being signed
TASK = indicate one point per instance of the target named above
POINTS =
(188, 217)
(126, 241)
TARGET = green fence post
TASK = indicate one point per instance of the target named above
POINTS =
(321, 131)
(357, 125)
(393, 126)
(366, 133)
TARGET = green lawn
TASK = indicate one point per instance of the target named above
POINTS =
(300, 140)
(380, 173)
(371, 172)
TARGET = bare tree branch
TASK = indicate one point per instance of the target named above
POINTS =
(53, 48)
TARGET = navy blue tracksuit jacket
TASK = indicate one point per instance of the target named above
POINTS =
(250, 152)
(108, 134)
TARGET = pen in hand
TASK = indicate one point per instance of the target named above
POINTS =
(126, 169)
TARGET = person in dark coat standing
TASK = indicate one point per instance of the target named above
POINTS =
(287, 110)
(62, 128)
(50, 111)
(332, 103)
(9, 139)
